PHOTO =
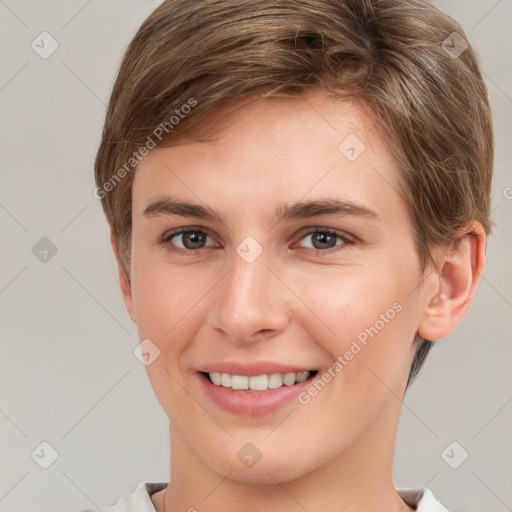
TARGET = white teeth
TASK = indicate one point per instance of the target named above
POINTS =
(275, 380)
(216, 378)
(239, 382)
(289, 379)
(301, 377)
(225, 380)
(259, 382)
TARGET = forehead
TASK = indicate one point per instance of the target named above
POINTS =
(272, 149)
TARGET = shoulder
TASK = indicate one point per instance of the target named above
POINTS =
(421, 498)
(137, 501)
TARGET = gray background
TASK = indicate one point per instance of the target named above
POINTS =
(69, 376)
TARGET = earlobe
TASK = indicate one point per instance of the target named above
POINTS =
(124, 283)
(453, 283)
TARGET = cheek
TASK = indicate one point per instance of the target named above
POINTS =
(365, 319)
(163, 296)
(165, 302)
(346, 302)
(369, 336)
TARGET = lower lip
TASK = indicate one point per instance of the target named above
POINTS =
(252, 404)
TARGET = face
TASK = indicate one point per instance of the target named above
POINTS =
(294, 254)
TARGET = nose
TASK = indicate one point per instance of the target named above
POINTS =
(250, 302)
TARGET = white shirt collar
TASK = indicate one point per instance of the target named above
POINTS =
(140, 499)
(422, 499)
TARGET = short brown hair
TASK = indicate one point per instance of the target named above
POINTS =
(406, 60)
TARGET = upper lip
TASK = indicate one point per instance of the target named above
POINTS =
(252, 369)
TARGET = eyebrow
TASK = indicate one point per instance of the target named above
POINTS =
(169, 205)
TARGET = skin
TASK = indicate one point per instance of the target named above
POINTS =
(292, 304)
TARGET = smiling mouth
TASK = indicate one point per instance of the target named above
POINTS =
(258, 383)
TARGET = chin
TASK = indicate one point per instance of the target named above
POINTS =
(267, 470)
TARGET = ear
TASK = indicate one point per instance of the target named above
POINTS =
(451, 286)
(124, 283)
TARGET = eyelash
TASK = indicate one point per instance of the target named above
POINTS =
(165, 240)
